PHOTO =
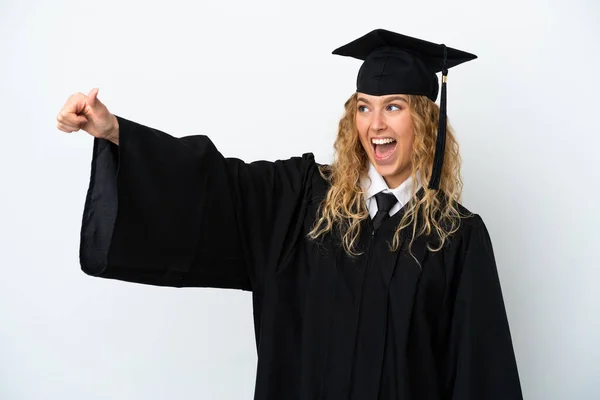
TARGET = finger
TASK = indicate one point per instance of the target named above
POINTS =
(75, 103)
(92, 97)
(67, 128)
(67, 117)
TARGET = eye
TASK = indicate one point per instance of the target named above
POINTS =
(396, 106)
(361, 108)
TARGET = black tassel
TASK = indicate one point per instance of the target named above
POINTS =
(440, 144)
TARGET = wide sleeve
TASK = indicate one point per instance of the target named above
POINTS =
(173, 211)
(481, 358)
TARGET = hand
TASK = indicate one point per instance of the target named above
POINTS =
(89, 114)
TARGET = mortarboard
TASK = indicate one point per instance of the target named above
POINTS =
(400, 64)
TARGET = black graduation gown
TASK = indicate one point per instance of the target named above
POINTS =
(173, 211)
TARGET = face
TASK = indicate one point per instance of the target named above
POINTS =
(386, 133)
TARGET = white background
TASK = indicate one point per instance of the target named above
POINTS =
(259, 78)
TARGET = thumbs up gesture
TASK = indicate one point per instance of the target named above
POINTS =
(89, 114)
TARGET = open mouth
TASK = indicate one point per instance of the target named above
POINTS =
(383, 148)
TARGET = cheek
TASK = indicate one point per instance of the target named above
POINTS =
(407, 147)
(405, 144)
(407, 138)
(404, 125)
(406, 133)
(360, 126)
(362, 129)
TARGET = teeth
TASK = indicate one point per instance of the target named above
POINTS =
(382, 141)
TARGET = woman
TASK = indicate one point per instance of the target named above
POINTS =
(369, 279)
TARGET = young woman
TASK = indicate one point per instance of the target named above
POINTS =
(369, 279)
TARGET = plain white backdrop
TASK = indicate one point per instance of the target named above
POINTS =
(258, 77)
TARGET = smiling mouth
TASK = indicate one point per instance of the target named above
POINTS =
(383, 148)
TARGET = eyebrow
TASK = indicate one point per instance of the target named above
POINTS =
(393, 98)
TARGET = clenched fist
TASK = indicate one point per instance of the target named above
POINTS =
(89, 114)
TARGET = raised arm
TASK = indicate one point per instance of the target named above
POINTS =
(173, 211)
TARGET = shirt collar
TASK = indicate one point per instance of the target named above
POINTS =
(374, 183)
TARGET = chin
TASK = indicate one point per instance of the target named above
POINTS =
(387, 169)
(394, 174)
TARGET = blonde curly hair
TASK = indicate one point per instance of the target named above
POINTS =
(435, 213)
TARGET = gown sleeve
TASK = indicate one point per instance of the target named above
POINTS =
(170, 211)
(482, 359)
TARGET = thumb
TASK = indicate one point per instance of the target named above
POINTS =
(91, 99)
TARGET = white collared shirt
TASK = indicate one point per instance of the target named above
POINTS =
(374, 183)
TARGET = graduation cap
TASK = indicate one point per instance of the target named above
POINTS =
(399, 64)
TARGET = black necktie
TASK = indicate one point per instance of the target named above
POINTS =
(385, 202)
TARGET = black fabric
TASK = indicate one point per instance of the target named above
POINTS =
(385, 202)
(382, 325)
(400, 64)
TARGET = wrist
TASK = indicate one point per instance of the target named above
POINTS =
(113, 136)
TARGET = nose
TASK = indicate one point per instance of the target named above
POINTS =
(378, 122)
